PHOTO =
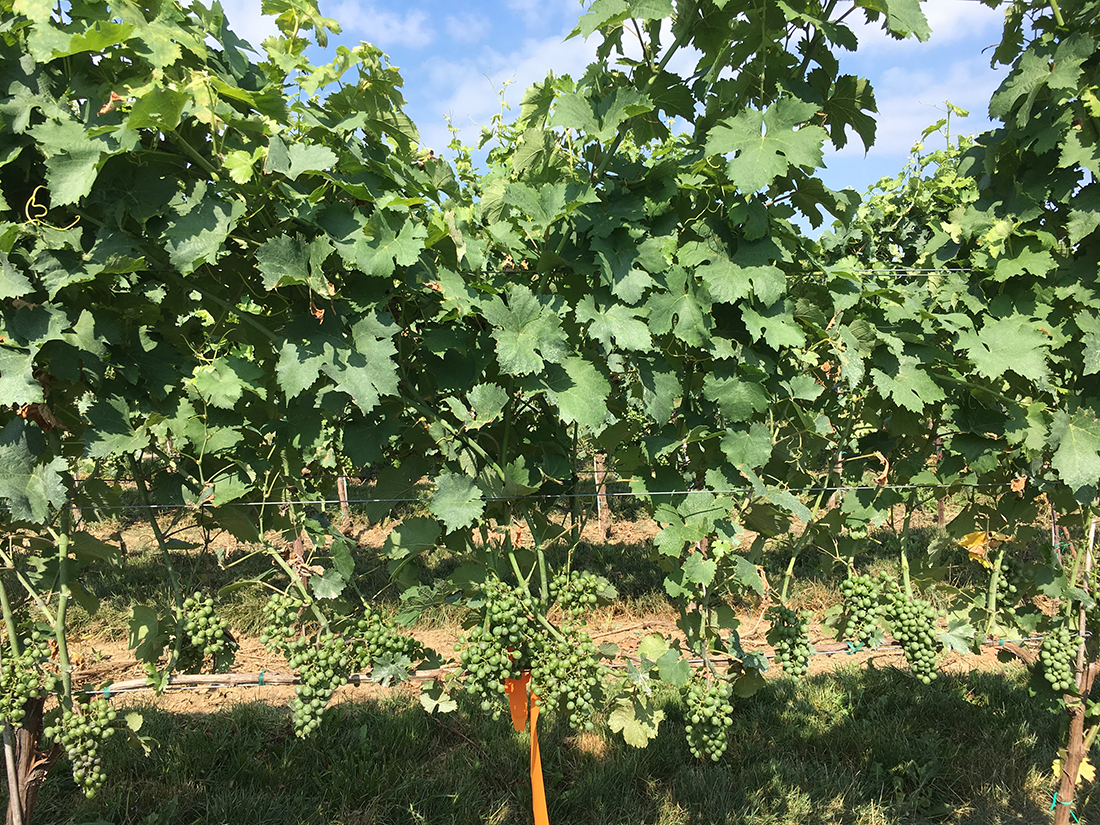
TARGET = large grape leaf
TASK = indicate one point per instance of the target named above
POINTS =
(30, 488)
(457, 501)
(851, 99)
(580, 392)
(1077, 458)
(1003, 344)
(17, 382)
(614, 324)
(636, 720)
(910, 387)
(528, 330)
(72, 160)
(767, 144)
(198, 236)
(111, 432)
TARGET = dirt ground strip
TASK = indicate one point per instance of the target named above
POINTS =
(100, 662)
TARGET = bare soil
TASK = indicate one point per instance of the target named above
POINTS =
(102, 660)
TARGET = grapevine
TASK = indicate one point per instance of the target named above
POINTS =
(81, 731)
(709, 716)
(326, 660)
(577, 592)
(377, 638)
(788, 634)
(913, 624)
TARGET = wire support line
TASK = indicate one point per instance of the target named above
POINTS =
(333, 502)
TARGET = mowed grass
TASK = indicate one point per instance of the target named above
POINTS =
(858, 747)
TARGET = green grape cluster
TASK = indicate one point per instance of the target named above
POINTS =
(500, 647)
(567, 673)
(280, 632)
(788, 635)
(914, 625)
(378, 638)
(861, 607)
(1010, 584)
(577, 592)
(204, 634)
(81, 731)
(24, 678)
(1058, 657)
(709, 716)
(322, 667)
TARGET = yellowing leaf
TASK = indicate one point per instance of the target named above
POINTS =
(978, 546)
(1086, 773)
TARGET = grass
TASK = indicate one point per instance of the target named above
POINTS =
(851, 748)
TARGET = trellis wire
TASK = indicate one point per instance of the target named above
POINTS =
(326, 502)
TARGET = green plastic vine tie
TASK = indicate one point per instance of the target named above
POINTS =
(1056, 802)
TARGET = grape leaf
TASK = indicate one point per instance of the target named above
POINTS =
(911, 387)
(636, 721)
(1077, 458)
(767, 144)
(329, 585)
(528, 330)
(580, 392)
(198, 236)
(1004, 344)
(29, 487)
(457, 501)
(413, 535)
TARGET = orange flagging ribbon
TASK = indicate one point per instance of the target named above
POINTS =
(518, 705)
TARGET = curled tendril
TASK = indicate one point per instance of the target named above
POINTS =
(36, 212)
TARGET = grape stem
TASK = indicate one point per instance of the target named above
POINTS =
(991, 598)
(15, 807)
(9, 621)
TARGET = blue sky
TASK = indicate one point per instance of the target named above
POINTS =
(456, 56)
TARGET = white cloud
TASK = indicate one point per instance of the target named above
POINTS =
(467, 28)
(248, 23)
(950, 21)
(468, 90)
(537, 13)
(382, 28)
(910, 101)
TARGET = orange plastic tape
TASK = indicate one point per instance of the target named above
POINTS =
(520, 707)
(517, 700)
(538, 792)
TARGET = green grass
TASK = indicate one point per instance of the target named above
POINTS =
(854, 748)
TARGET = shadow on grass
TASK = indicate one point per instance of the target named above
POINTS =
(857, 747)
